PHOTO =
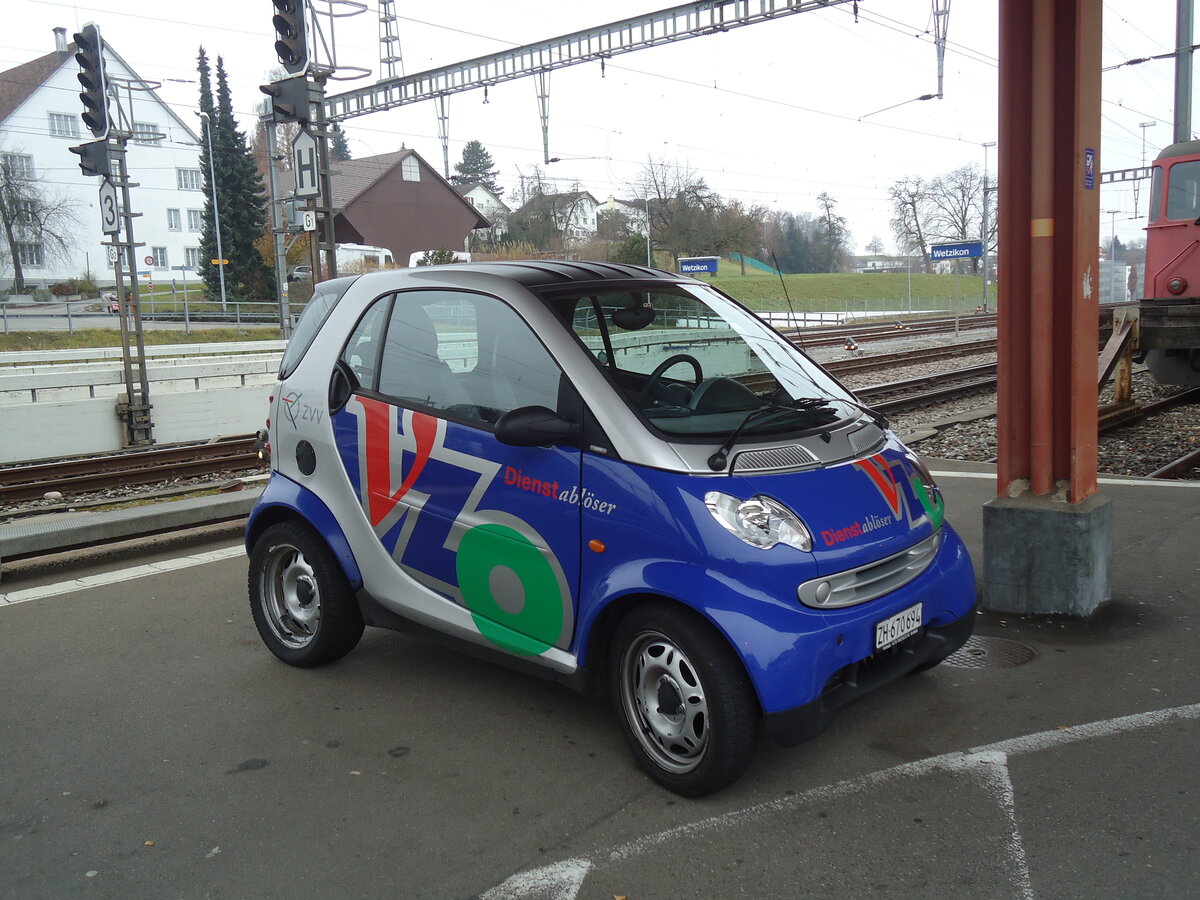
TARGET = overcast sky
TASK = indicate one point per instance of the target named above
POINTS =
(772, 113)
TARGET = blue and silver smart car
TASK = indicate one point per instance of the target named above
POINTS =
(611, 475)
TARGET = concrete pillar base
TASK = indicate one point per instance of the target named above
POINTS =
(1045, 556)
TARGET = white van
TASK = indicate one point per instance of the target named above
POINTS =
(359, 258)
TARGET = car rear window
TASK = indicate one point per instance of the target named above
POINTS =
(324, 299)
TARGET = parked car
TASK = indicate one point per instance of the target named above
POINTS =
(611, 476)
(300, 273)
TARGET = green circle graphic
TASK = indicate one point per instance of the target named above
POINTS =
(537, 624)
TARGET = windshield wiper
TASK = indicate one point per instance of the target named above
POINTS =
(717, 461)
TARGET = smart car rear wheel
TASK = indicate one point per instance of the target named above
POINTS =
(302, 605)
(685, 704)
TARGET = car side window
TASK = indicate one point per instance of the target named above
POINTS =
(362, 350)
(468, 354)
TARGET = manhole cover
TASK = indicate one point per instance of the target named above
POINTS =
(990, 653)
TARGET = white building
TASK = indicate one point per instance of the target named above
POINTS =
(40, 118)
(492, 207)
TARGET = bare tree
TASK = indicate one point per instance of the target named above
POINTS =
(910, 216)
(954, 206)
(835, 236)
(40, 222)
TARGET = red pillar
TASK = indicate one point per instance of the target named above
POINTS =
(1048, 535)
(1049, 227)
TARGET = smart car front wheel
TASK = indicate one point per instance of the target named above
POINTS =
(302, 605)
(686, 706)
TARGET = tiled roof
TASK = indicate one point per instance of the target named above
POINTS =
(17, 83)
(354, 176)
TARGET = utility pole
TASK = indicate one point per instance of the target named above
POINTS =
(1183, 70)
(986, 258)
(267, 123)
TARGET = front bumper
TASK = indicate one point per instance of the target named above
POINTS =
(929, 646)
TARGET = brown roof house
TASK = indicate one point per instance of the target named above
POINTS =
(396, 200)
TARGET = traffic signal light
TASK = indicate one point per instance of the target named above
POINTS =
(290, 100)
(291, 40)
(93, 158)
(90, 56)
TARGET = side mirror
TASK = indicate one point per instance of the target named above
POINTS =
(533, 426)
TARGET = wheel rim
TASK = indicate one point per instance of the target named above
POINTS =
(664, 702)
(290, 597)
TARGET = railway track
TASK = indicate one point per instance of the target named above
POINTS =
(912, 357)
(130, 468)
(914, 393)
(832, 335)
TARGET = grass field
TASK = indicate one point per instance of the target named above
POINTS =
(110, 337)
(841, 293)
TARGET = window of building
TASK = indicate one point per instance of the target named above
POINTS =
(189, 180)
(145, 133)
(63, 125)
(195, 220)
(191, 258)
(160, 257)
(17, 165)
(410, 170)
(174, 220)
(27, 212)
(31, 254)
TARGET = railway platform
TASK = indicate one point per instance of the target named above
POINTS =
(1051, 757)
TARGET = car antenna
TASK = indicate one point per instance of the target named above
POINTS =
(791, 312)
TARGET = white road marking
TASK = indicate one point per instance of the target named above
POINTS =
(562, 880)
(120, 575)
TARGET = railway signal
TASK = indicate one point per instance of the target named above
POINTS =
(291, 39)
(93, 80)
(290, 100)
(93, 158)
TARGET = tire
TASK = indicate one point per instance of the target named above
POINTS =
(661, 658)
(301, 602)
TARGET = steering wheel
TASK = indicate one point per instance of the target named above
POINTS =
(653, 378)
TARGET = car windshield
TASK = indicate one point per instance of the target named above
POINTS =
(695, 363)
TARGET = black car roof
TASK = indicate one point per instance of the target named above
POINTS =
(535, 273)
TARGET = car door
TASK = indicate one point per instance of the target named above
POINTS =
(490, 526)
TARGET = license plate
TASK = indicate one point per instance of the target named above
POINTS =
(896, 628)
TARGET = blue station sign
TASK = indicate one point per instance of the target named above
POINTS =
(965, 250)
(692, 265)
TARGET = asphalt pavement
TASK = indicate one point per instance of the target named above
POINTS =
(152, 747)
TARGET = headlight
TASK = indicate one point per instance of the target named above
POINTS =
(759, 521)
(927, 491)
(922, 470)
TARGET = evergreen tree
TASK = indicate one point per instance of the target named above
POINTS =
(476, 168)
(339, 149)
(241, 198)
(244, 203)
(208, 137)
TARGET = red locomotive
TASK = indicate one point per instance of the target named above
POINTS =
(1170, 308)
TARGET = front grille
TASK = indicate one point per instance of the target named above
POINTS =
(872, 580)
(774, 459)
